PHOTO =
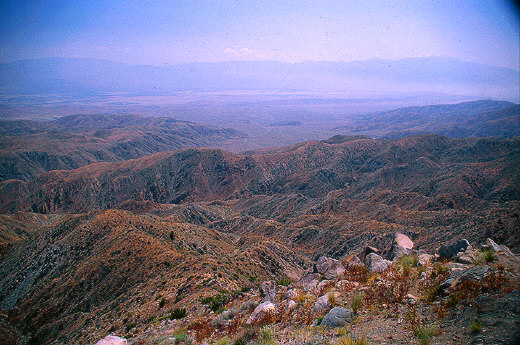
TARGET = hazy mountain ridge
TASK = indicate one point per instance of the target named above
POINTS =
(91, 76)
(468, 119)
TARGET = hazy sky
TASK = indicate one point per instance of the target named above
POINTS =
(168, 32)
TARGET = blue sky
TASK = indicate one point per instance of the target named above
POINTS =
(168, 32)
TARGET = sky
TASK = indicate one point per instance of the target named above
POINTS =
(159, 32)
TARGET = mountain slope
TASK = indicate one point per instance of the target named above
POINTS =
(30, 147)
(468, 119)
(467, 169)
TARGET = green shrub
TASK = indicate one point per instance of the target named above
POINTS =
(320, 319)
(476, 326)
(162, 302)
(266, 336)
(488, 256)
(223, 341)
(430, 292)
(425, 333)
(285, 281)
(177, 313)
(357, 302)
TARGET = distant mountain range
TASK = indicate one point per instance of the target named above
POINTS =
(468, 119)
(77, 76)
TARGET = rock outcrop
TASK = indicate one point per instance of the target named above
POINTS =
(112, 340)
(337, 317)
(376, 263)
(401, 245)
(448, 251)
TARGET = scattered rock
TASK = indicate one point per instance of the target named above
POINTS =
(260, 311)
(268, 289)
(401, 245)
(455, 266)
(466, 259)
(291, 294)
(425, 259)
(369, 250)
(410, 299)
(376, 263)
(475, 273)
(496, 248)
(322, 285)
(337, 317)
(451, 250)
(353, 261)
(346, 285)
(112, 340)
(329, 268)
(290, 306)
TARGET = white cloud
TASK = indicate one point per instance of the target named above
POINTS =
(245, 53)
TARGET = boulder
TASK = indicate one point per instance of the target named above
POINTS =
(496, 248)
(475, 273)
(308, 278)
(493, 246)
(322, 303)
(451, 250)
(329, 268)
(369, 250)
(323, 285)
(112, 340)
(376, 263)
(312, 285)
(337, 317)
(260, 311)
(401, 245)
(268, 289)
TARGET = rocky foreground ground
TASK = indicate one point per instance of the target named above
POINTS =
(459, 295)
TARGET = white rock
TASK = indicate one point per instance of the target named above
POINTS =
(112, 340)
(260, 311)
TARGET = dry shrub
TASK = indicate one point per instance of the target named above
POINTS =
(393, 290)
(203, 329)
(357, 273)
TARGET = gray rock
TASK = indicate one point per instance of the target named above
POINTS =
(493, 246)
(337, 317)
(376, 263)
(261, 310)
(312, 285)
(290, 306)
(451, 250)
(322, 303)
(308, 278)
(329, 268)
(268, 289)
(112, 340)
(369, 250)
(401, 245)
(475, 273)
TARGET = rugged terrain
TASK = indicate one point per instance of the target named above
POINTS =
(156, 249)
(28, 148)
